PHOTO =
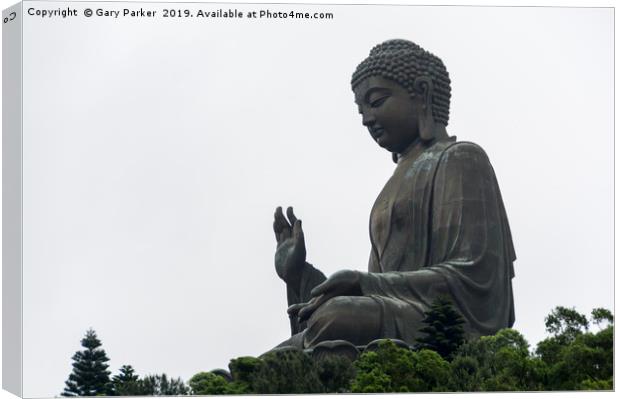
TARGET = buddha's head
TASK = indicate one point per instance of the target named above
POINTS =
(403, 93)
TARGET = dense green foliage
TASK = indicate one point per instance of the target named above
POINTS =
(501, 362)
(211, 384)
(161, 385)
(394, 369)
(129, 384)
(276, 372)
(572, 357)
(90, 375)
(336, 374)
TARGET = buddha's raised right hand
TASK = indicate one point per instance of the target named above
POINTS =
(290, 255)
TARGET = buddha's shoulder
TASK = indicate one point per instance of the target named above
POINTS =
(462, 151)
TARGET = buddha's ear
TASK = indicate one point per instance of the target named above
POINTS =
(424, 87)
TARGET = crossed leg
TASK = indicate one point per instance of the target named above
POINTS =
(356, 319)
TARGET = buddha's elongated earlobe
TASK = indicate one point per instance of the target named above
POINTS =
(426, 123)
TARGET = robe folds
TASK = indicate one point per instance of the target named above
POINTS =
(439, 227)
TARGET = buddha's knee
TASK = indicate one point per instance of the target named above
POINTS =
(353, 319)
(331, 311)
(332, 320)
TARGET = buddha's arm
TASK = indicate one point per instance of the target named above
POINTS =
(470, 255)
(299, 292)
(290, 262)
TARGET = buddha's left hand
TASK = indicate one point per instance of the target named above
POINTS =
(341, 283)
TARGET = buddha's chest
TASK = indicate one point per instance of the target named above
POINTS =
(391, 216)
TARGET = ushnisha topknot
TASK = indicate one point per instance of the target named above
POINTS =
(403, 61)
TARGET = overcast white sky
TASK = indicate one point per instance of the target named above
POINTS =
(155, 152)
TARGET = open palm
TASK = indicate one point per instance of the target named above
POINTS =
(291, 247)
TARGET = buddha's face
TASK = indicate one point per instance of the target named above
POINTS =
(389, 112)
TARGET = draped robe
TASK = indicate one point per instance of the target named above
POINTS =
(438, 227)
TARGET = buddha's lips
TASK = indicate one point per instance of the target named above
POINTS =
(376, 132)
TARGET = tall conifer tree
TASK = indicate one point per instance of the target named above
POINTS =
(126, 383)
(90, 375)
(443, 328)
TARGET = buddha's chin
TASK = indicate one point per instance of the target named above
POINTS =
(383, 141)
(385, 144)
(386, 148)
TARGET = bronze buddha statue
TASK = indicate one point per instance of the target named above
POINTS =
(438, 227)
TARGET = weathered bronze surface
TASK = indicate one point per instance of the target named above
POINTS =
(438, 227)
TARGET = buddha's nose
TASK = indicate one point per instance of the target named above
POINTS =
(368, 119)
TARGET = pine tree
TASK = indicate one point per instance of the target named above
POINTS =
(126, 375)
(126, 382)
(90, 376)
(444, 328)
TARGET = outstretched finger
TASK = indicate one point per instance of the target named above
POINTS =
(291, 215)
(278, 217)
(280, 224)
(277, 225)
(276, 230)
(298, 233)
(276, 220)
